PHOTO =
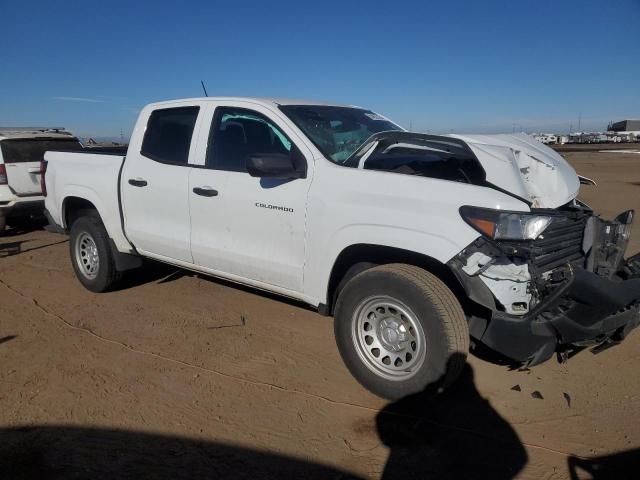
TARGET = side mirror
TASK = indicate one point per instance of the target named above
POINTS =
(276, 165)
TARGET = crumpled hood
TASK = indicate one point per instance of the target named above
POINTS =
(525, 167)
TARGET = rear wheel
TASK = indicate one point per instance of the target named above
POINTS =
(91, 254)
(400, 329)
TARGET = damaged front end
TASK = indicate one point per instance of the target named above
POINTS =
(563, 285)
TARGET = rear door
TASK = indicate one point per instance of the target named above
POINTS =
(155, 179)
(22, 157)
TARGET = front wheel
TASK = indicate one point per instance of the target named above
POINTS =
(91, 254)
(400, 329)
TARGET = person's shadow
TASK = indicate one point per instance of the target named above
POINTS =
(454, 434)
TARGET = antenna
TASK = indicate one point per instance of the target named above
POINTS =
(204, 88)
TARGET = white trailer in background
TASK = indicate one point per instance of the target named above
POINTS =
(546, 138)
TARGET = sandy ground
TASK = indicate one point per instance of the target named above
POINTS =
(179, 376)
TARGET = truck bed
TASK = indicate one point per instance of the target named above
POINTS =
(90, 176)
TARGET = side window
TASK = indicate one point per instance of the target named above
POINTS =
(237, 133)
(168, 135)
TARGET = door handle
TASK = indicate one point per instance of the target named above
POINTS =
(205, 191)
(137, 182)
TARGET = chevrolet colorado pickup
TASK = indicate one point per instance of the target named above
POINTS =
(414, 243)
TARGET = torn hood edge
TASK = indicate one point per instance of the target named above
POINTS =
(525, 167)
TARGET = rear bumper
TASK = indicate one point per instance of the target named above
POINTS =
(22, 208)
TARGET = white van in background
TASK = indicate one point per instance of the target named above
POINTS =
(21, 151)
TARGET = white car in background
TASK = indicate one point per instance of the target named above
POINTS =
(21, 151)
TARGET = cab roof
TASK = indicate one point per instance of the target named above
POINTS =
(34, 132)
(268, 101)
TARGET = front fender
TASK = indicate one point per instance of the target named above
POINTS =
(439, 247)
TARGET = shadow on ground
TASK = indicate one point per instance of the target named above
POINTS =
(618, 466)
(8, 338)
(89, 453)
(150, 272)
(8, 249)
(454, 434)
(20, 226)
(158, 272)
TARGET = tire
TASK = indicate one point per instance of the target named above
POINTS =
(91, 254)
(412, 318)
(3, 223)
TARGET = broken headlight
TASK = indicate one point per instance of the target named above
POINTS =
(505, 225)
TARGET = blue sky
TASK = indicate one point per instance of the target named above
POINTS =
(462, 66)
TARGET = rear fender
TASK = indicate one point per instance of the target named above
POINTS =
(109, 214)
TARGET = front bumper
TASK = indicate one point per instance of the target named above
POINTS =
(588, 310)
(590, 301)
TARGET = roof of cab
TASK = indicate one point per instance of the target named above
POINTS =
(34, 132)
(260, 100)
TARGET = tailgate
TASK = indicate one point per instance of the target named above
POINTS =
(22, 157)
(24, 178)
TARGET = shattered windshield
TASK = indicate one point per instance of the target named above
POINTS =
(337, 131)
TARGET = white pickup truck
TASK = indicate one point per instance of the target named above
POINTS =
(414, 243)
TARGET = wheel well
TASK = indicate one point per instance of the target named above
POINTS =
(358, 258)
(75, 207)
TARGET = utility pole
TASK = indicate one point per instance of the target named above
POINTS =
(579, 121)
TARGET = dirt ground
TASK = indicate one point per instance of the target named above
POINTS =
(180, 376)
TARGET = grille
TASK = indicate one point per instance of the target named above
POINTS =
(560, 243)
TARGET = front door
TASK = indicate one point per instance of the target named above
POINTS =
(252, 228)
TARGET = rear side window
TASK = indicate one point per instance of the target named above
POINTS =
(168, 135)
(22, 150)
